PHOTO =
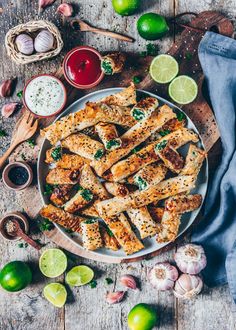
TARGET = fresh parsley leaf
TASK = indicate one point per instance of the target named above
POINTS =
(86, 194)
(69, 231)
(188, 56)
(181, 116)
(48, 189)
(93, 284)
(98, 154)
(31, 142)
(110, 233)
(161, 145)
(109, 280)
(137, 79)
(20, 94)
(45, 225)
(57, 153)
(152, 49)
(22, 245)
(2, 133)
(136, 149)
(165, 132)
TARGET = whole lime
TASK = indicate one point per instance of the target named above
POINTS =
(152, 26)
(142, 317)
(15, 276)
(125, 7)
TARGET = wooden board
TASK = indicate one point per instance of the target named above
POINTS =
(199, 110)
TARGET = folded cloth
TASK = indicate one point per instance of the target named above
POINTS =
(217, 230)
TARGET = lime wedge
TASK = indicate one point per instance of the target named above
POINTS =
(79, 275)
(183, 90)
(53, 263)
(56, 294)
(164, 68)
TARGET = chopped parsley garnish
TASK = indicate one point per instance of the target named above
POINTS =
(110, 233)
(45, 225)
(48, 189)
(137, 79)
(181, 116)
(98, 155)
(165, 132)
(22, 245)
(109, 280)
(20, 94)
(69, 231)
(138, 148)
(151, 50)
(57, 153)
(138, 114)
(31, 142)
(106, 67)
(112, 143)
(93, 284)
(2, 133)
(90, 221)
(86, 194)
(161, 145)
(188, 56)
(142, 184)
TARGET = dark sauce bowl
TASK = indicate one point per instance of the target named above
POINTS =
(17, 176)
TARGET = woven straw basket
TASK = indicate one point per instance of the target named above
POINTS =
(32, 28)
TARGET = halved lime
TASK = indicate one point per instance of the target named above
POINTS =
(53, 263)
(56, 294)
(183, 90)
(79, 275)
(164, 68)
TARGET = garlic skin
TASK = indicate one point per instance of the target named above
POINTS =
(44, 3)
(65, 9)
(163, 276)
(128, 281)
(190, 259)
(44, 41)
(7, 87)
(188, 286)
(115, 297)
(25, 44)
(8, 109)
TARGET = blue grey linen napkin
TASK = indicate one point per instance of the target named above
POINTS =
(217, 230)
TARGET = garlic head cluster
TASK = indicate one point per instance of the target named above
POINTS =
(187, 286)
(163, 276)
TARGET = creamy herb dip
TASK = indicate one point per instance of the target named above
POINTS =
(44, 95)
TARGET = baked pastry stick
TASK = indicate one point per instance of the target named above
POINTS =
(113, 63)
(147, 155)
(133, 137)
(148, 176)
(82, 145)
(72, 162)
(109, 136)
(183, 203)
(170, 157)
(194, 161)
(89, 211)
(126, 97)
(140, 217)
(109, 240)
(61, 194)
(156, 213)
(62, 218)
(61, 176)
(82, 198)
(54, 154)
(144, 108)
(91, 236)
(160, 191)
(169, 227)
(90, 116)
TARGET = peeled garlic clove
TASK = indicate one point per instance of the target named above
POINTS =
(44, 3)
(115, 297)
(6, 88)
(190, 258)
(8, 109)
(128, 281)
(65, 9)
(188, 286)
(163, 276)
(25, 44)
(44, 41)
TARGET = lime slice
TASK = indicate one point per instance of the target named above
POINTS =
(164, 68)
(56, 294)
(53, 263)
(79, 275)
(183, 90)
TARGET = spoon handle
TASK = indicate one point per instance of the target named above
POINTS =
(111, 34)
(28, 240)
(7, 154)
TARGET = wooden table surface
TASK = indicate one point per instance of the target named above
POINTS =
(86, 308)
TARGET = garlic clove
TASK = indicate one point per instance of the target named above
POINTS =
(190, 258)
(65, 9)
(128, 281)
(188, 286)
(115, 297)
(8, 109)
(44, 41)
(163, 276)
(44, 3)
(25, 44)
(7, 87)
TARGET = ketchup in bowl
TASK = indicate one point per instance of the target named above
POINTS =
(82, 67)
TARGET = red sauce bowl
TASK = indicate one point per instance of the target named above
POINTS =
(82, 67)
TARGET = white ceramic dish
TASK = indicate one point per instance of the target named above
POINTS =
(150, 243)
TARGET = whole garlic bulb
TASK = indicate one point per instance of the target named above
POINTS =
(188, 286)
(163, 276)
(25, 44)
(190, 258)
(44, 41)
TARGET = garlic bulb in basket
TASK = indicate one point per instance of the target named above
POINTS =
(188, 286)
(163, 276)
(190, 258)
(44, 41)
(25, 44)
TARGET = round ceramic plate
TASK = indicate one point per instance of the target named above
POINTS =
(150, 243)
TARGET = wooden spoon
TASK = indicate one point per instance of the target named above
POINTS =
(20, 233)
(85, 27)
(25, 129)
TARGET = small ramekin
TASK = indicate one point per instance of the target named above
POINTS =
(22, 221)
(9, 184)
